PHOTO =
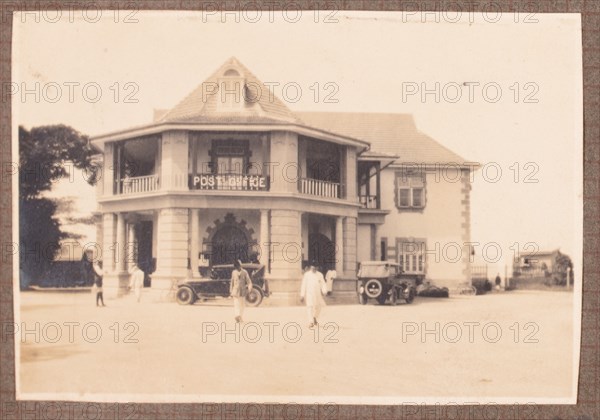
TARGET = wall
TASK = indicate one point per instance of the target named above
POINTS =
(441, 222)
(364, 241)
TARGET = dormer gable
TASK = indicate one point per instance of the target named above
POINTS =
(231, 90)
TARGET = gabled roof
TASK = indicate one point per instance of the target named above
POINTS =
(200, 106)
(391, 134)
(393, 137)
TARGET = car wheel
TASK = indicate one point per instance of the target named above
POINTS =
(394, 297)
(185, 296)
(411, 295)
(362, 299)
(374, 288)
(381, 299)
(254, 297)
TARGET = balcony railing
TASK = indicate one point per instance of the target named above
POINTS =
(319, 188)
(369, 201)
(139, 184)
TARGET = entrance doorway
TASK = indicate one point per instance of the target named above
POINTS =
(229, 243)
(321, 250)
(143, 233)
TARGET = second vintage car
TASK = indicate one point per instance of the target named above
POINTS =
(383, 281)
(216, 282)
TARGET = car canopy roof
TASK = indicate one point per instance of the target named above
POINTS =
(375, 268)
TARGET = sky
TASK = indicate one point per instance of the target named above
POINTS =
(504, 91)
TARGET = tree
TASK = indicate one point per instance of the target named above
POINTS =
(43, 156)
(562, 269)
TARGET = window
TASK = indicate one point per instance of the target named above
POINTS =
(410, 191)
(230, 157)
(230, 165)
(231, 90)
(411, 257)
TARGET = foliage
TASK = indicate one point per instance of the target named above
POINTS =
(43, 156)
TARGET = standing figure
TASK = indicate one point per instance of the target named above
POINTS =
(240, 285)
(498, 281)
(311, 291)
(98, 273)
(137, 281)
(330, 276)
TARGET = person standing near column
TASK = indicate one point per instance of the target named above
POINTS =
(240, 285)
(98, 273)
(311, 291)
(330, 276)
(137, 281)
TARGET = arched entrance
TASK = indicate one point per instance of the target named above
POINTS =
(322, 250)
(229, 244)
(229, 240)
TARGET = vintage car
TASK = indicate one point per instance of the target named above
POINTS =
(383, 281)
(216, 281)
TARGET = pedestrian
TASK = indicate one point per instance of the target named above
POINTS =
(330, 276)
(136, 281)
(498, 281)
(311, 292)
(98, 273)
(241, 284)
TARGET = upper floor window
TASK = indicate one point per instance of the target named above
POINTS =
(230, 156)
(410, 191)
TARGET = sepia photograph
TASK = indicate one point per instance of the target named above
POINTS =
(283, 206)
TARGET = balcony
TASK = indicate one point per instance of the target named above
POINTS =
(138, 184)
(319, 188)
(369, 201)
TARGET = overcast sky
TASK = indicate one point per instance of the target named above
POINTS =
(374, 60)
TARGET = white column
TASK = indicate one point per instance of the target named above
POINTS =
(264, 238)
(121, 242)
(339, 245)
(131, 255)
(195, 241)
(349, 246)
(108, 241)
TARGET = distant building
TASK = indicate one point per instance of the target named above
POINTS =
(230, 172)
(548, 267)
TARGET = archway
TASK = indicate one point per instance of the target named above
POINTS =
(229, 240)
(322, 250)
(229, 243)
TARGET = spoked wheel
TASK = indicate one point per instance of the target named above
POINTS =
(185, 296)
(254, 297)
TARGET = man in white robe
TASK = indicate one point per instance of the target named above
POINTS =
(311, 292)
(330, 276)
(136, 281)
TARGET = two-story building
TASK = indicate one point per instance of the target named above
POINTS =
(232, 173)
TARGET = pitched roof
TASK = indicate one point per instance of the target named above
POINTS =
(392, 134)
(200, 106)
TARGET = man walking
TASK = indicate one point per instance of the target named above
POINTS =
(137, 281)
(311, 291)
(240, 285)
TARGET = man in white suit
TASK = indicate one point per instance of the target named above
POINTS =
(311, 291)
